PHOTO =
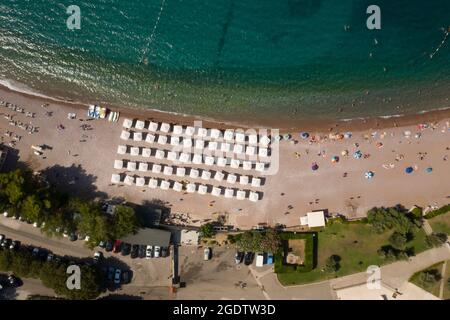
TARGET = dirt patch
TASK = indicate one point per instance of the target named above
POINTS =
(296, 251)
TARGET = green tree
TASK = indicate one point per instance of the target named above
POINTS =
(207, 230)
(332, 264)
(398, 241)
(125, 221)
(270, 241)
(245, 241)
(32, 209)
(436, 239)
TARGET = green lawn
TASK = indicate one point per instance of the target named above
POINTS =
(355, 243)
(447, 284)
(433, 289)
(441, 224)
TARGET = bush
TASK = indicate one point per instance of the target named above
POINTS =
(436, 240)
(398, 241)
(437, 212)
(332, 263)
(207, 230)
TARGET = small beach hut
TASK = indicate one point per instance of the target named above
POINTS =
(168, 171)
(264, 141)
(214, 134)
(219, 176)
(202, 132)
(185, 157)
(409, 170)
(225, 147)
(199, 144)
(162, 139)
(260, 166)
(129, 180)
(238, 149)
(194, 174)
(216, 191)
(256, 182)
(140, 125)
(143, 166)
(146, 152)
(247, 165)
(174, 141)
(243, 180)
(253, 196)
(177, 129)
(229, 193)
(209, 160)
(137, 136)
(159, 154)
(125, 135)
(121, 149)
(153, 126)
(191, 187)
(181, 172)
(240, 137)
(140, 182)
(150, 138)
(202, 189)
(165, 127)
(231, 178)
(172, 156)
(253, 139)
(368, 175)
(240, 195)
(235, 163)
(263, 152)
(250, 151)
(206, 175)
(189, 131)
(127, 123)
(131, 166)
(228, 135)
(115, 178)
(118, 164)
(165, 185)
(153, 183)
(221, 162)
(314, 166)
(156, 168)
(134, 151)
(177, 186)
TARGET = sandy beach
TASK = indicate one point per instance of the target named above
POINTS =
(82, 161)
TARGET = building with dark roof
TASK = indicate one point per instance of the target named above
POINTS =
(150, 236)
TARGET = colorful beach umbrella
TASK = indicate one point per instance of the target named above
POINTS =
(409, 170)
(304, 135)
(347, 135)
(335, 159)
(314, 166)
(429, 169)
(287, 136)
(357, 154)
(368, 175)
(344, 152)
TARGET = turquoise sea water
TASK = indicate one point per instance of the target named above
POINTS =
(229, 59)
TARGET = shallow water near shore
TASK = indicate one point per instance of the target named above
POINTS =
(259, 61)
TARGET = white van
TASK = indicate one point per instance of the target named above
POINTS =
(260, 260)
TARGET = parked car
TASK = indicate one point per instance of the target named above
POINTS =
(117, 246)
(149, 252)
(207, 253)
(117, 276)
(6, 243)
(98, 256)
(35, 251)
(109, 245)
(134, 251)
(2, 237)
(50, 257)
(269, 258)
(126, 276)
(14, 281)
(102, 244)
(142, 249)
(126, 248)
(238, 257)
(15, 245)
(157, 251)
(73, 237)
(164, 251)
(259, 260)
(248, 258)
(111, 271)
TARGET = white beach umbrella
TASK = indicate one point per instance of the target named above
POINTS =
(209, 161)
(121, 149)
(219, 176)
(194, 173)
(197, 159)
(238, 149)
(247, 165)
(212, 145)
(165, 127)
(225, 147)
(202, 189)
(250, 151)
(172, 156)
(235, 163)
(177, 186)
(228, 135)
(143, 167)
(264, 141)
(168, 171)
(140, 125)
(221, 162)
(216, 191)
(127, 123)
(177, 129)
(199, 144)
(125, 135)
(214, 134)
(185, 157)
(229, 193)
(260, 166)
(140, 182)
(231, 178)
(202, 132)
(129, 180)
(243, 180)
(253, 196)
(137, 136)
(191, 187)
(153, 126)
(165, 185)
(240, 195)
(240, 137)
(256, 182)
(175, 141)
(134, 151)
(150, 138)
(156, 168)
(253, 139)
(206, 175)
(263, 152)
(115, 178)
(146, 152)
(181, 172)
(187, 143)
(189, 131)
(159, 154)
(152, 183)
(131, 166)
(118, 164)
(162, 139)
